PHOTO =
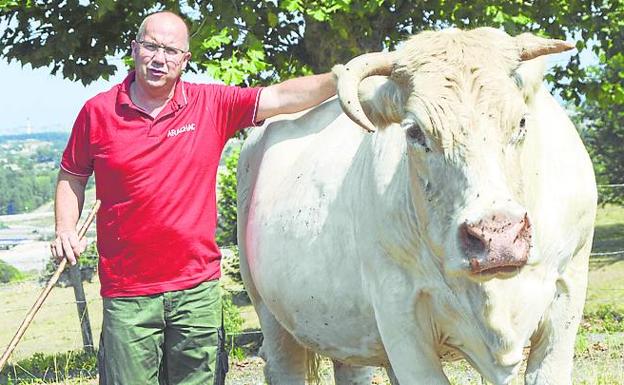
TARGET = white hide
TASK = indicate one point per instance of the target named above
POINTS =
(342, 254)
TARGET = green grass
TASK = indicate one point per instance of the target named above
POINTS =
(52, 368)
(609, 233)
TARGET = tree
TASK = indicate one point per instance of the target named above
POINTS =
(261, 41)
(604, 113)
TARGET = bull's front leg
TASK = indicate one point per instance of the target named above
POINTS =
(345, 374)
(407, 334)
(552, 346)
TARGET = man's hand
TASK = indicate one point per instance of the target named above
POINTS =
(67, 207)
(68, 245)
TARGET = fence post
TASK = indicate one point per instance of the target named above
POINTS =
(81, 303)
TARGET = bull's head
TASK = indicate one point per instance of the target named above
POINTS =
(462, 100)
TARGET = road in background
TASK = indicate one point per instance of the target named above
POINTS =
(24, 243)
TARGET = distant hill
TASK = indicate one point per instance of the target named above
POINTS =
(54, 137)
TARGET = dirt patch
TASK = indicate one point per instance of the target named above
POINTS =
(27, 256)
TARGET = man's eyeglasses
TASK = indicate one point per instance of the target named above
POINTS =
(170, 52)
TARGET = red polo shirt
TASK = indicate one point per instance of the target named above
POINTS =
(156, 180)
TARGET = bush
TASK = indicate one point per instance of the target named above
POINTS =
(232, 319)
(226, 203)
(88, 267)
(606, 319)
(230, 267)
(226, 227)
(9, 273)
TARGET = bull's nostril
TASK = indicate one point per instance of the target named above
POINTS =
(475, 244)
(472, 243)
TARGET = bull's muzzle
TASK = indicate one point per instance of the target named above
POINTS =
(497, 243)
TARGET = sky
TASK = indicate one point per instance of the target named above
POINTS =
(33, 97)
(45, 102)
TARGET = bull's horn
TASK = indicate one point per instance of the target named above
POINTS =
(532, 46)
(349, 77)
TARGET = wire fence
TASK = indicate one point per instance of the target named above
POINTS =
(607, 253)
(57, 318)
(55, 328)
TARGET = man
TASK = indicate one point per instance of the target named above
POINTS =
(154, 143)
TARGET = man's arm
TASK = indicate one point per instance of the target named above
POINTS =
(68, 204)
(295, 95)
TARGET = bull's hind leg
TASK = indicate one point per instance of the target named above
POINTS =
(552, 346)
(345, 374)
(285, 358)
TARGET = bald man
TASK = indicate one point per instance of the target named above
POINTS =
(154, 143)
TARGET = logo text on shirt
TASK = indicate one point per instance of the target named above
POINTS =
(181, 130)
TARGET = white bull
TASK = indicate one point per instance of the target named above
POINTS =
(460, 228)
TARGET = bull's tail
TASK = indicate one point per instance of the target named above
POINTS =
(313, 363)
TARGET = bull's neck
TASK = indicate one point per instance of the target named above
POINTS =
(391, 194)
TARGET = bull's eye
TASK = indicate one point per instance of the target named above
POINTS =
(415, 134)
(520, 132)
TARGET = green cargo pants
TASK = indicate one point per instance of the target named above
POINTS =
(164, 339)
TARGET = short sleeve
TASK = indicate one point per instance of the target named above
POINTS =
(77, 157)
(237, 108)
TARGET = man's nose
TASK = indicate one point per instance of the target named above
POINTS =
(159, 55)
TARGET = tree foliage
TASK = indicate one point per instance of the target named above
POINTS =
(28, 171)
(252, 41)
(23, 190)
(258, 42)
(604, 118)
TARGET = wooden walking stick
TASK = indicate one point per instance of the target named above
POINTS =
(44, 294)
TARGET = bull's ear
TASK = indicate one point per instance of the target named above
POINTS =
(529, 77)
(532, 46)
(382, 100)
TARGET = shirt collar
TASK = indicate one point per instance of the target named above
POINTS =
(178, 100)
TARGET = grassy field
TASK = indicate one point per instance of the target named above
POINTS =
(606, 276)
(599, 358)
(56, 327)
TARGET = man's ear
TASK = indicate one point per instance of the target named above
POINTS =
(134, 50)
(186, 59)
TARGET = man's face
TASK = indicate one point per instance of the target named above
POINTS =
(160, 54)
